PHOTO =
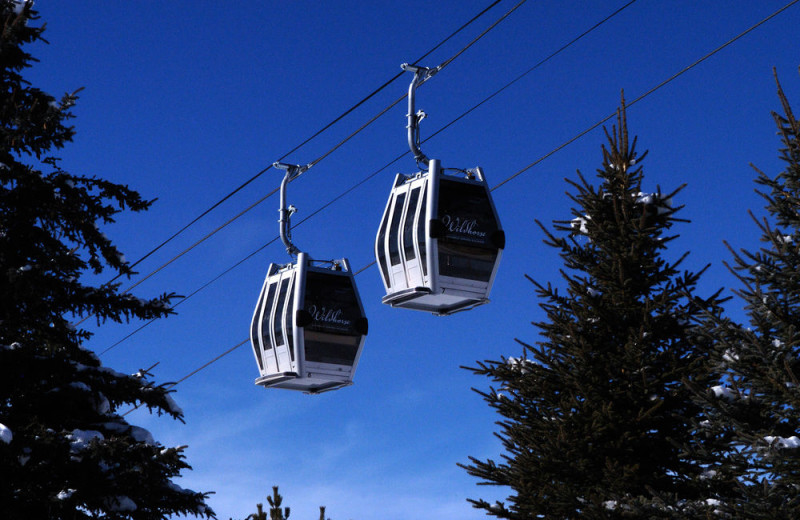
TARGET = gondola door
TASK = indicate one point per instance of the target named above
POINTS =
(414, 216)
(283, 310)
(264, 312)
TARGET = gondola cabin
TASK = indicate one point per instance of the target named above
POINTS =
(308, 327)
(439, 242)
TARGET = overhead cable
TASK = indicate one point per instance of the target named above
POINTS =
(309, 139)
(316, 161)
(578, 136)
(655, 88)
(387, 165)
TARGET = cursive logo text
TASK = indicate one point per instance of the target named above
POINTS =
(326, 315)
(462, 226)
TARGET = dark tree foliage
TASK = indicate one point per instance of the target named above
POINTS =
(275, 511)
(594, 416)
(756, 410)
(65, 451)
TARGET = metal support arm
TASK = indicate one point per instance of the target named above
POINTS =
(421, 75)
(292, 172)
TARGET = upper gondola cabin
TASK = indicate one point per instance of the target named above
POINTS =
(439, 242)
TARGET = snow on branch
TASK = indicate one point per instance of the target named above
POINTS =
(5, 434)
(783, 442)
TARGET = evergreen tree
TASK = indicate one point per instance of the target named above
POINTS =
(65, 451)
(275, 501)
(757, 408)
(594, 416)
(275, 512)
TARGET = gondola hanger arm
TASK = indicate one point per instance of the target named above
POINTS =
(421, 75)
(292, 172)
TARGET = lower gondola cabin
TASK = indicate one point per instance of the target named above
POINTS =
(309, 327)
(439, 242)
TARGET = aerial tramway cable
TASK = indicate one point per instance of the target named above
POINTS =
(264, 170)
(378, 171)
(555, 150)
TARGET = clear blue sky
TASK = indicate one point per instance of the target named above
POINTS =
(185, 100)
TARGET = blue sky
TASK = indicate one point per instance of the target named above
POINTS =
(184, 101)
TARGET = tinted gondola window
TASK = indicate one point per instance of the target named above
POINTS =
(287, 317)
(331, 348)
(332, 336)
(465, 212)
(421, 234)
(265, 322)
(468, 223)
(408, 225)
(280, 307)
(254, 331)
(471, 263)
(381, 247)
(394, 230)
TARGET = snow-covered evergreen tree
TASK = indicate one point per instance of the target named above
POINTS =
(756, 408)
(65, 450)
(594, 416)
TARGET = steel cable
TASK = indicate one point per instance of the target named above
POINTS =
(555, 150)
(309, 139)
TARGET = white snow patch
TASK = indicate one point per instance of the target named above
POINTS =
(707, 474)
(80, 439)
(724, 392)
(730, 356)
(5, 434)
(19, 5)
(783, 442)
(121, 504)
(522, 364)
(65, 494)
(610, 504)
(579, 223)
(175, 487)
(172, 406)
(102, 404)
(141, 435)
(80, 386)
(654, 199)
(593, 292)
